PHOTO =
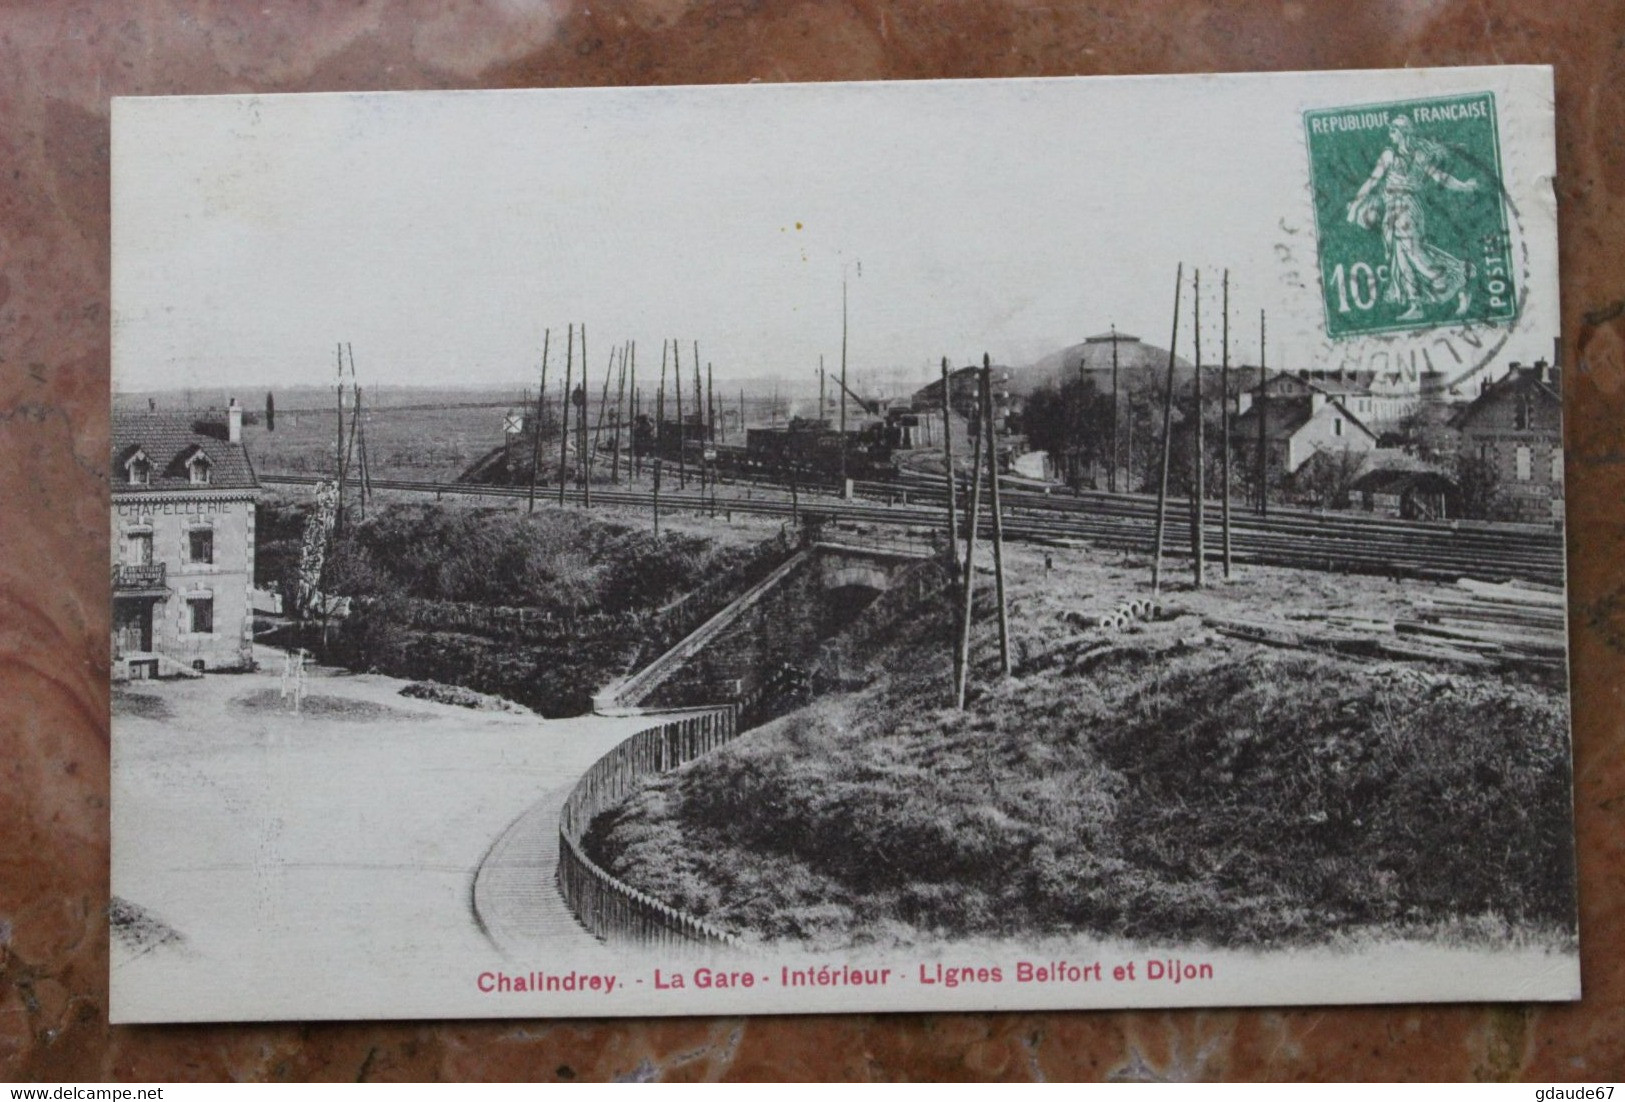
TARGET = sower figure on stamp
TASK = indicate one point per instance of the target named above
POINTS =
(1419, 274)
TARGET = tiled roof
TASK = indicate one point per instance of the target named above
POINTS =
(1528, 380)
(1282, 418)
(1285, 416)
(168, 439)
(1398, 482)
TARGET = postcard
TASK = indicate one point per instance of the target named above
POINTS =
(1013, 544)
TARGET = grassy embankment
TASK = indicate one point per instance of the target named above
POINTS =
(1157, 784)
(540, 608)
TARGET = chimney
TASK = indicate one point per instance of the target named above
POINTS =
(234, 422)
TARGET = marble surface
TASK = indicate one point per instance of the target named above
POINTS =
(60, 62)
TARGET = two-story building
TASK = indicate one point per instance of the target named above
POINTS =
(1297, 425)
(184, 494)
(1515, 429)
(1382, 402)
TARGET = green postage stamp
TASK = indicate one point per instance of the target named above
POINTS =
(1410, 215)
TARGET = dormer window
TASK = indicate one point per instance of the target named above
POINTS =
(198, 466)
(138, 469)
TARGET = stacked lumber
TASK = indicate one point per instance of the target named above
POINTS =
(1362, 636)
(1517, 622)
(1480, 624)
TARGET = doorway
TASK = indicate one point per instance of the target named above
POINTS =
(132, 627)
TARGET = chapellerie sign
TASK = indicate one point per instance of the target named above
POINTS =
(185, 508)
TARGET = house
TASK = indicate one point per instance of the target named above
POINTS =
(184, 493)
(965, 417)
(1514, 428)
(1381, 401)
(1297, 426)
(964, 390)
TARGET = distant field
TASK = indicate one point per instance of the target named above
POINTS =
(436, 444)
(379, 396)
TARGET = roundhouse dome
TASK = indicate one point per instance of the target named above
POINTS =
(1094, 354)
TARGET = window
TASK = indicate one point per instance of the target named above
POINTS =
(1524, 471)
(140, 470)
(1337, 426)
(198, 467)
(200, 613)
(1523, 417)
(138, 548)
(1557, 464)
(200, 545)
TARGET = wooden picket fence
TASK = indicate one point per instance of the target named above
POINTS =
(607, 907)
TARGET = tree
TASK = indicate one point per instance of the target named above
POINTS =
(1327, 477)
(1480, 485)
(1073, 423)
(270, 412)
(1426, 433)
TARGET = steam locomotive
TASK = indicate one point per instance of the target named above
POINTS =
(804, 450)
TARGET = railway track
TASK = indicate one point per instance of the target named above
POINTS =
(1287, 537)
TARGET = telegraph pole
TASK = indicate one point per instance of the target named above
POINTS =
(1198, 489)
(564, 425)
(677, 381)
(998, 521)
(583, 456)
(1224, 416)
(700, 416)
(355, 421)
(536, 434)
(843, 385)
(660, 429)
(711, 428)
(1167, 424)
(1112, 477)
(1263, 441)
(361, 450)
(603, 408)
(948, 466)
(967, 589)
(338, 451)
(633, 408)
(615, 426)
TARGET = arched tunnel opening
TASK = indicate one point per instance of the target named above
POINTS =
(840, 607)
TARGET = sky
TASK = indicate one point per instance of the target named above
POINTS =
(442, 233)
